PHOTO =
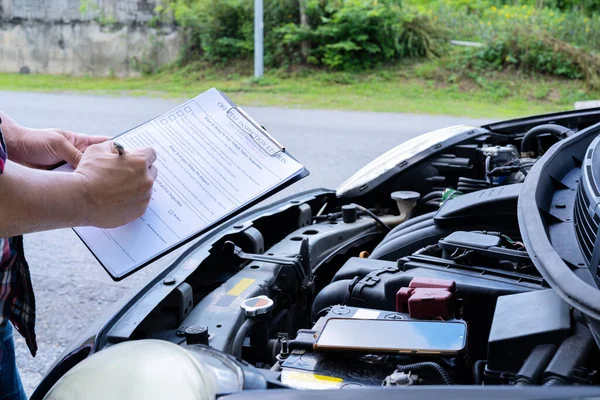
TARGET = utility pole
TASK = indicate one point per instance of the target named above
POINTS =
(259, 66)
(304, 47)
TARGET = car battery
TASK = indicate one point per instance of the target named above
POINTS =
(305, 369)
(313, 370)
(305, 338)
(427, 298)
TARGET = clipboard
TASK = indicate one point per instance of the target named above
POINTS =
(269, 146)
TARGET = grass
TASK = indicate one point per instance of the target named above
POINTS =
(408, 89)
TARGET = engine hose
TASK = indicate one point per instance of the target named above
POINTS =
(472, 185)
(530, 138)
(475, 185)
(403, 243)
(334, 293)
(323, 312)
(462, 179)
(415, 226)
(428, 365)
(434, 203)
(478, 371)
(238, 342)
(488, 165)
(411, 222)
(554, 381)
(433, 195)
(371, 214)
(328, 217)
(408, 243)
(533, 368)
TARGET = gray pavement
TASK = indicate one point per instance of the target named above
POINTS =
(72, 289)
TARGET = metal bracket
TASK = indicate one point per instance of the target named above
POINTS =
(256, 238)
(305, 216)
(297, 262)
(185, 299)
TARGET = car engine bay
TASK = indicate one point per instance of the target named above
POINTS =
(423, 278)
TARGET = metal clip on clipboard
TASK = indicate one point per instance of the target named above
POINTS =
(267, 143)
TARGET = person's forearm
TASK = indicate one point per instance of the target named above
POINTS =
(11, 131)
(34, 200)
(9, 126)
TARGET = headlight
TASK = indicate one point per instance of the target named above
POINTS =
(397, 155)
(145, 369)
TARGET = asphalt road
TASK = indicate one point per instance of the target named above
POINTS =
(72, 289)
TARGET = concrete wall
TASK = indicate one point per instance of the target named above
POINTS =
(55, 37)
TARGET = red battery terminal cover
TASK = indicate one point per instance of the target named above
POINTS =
(427, 298)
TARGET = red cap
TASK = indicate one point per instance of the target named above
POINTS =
(433, 283)
(427, 298)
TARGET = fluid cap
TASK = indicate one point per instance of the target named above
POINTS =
(349, 213)
(406, 201)
(258, 305)
(196, 334)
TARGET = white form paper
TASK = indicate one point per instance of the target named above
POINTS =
(211, 161)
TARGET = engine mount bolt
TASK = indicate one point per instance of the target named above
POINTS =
(395, 317)
(340, 310)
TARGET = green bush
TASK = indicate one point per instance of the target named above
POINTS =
(349, 34)
(549, 37)
(580, 6)
(338, 34)
(215, 29)
(484, 20)
(588, 7)
(520, 36)
(221, 30)
(526, 52)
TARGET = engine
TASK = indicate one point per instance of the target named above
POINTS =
(422, 278)
(389, 286)
(444, 266)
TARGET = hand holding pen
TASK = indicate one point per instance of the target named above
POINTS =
(118, 183)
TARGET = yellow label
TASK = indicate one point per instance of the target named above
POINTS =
(240, 287)
(308, 380)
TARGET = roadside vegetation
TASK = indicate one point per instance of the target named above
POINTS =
(528, 56)
(552, 37)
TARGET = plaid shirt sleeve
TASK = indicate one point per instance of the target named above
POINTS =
(17, 302)
(3, 154)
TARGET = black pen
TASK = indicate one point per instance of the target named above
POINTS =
(119, 147)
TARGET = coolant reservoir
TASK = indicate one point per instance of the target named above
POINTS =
(143, 369)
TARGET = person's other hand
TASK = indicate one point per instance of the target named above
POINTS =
(116, 189)
(43, 148)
